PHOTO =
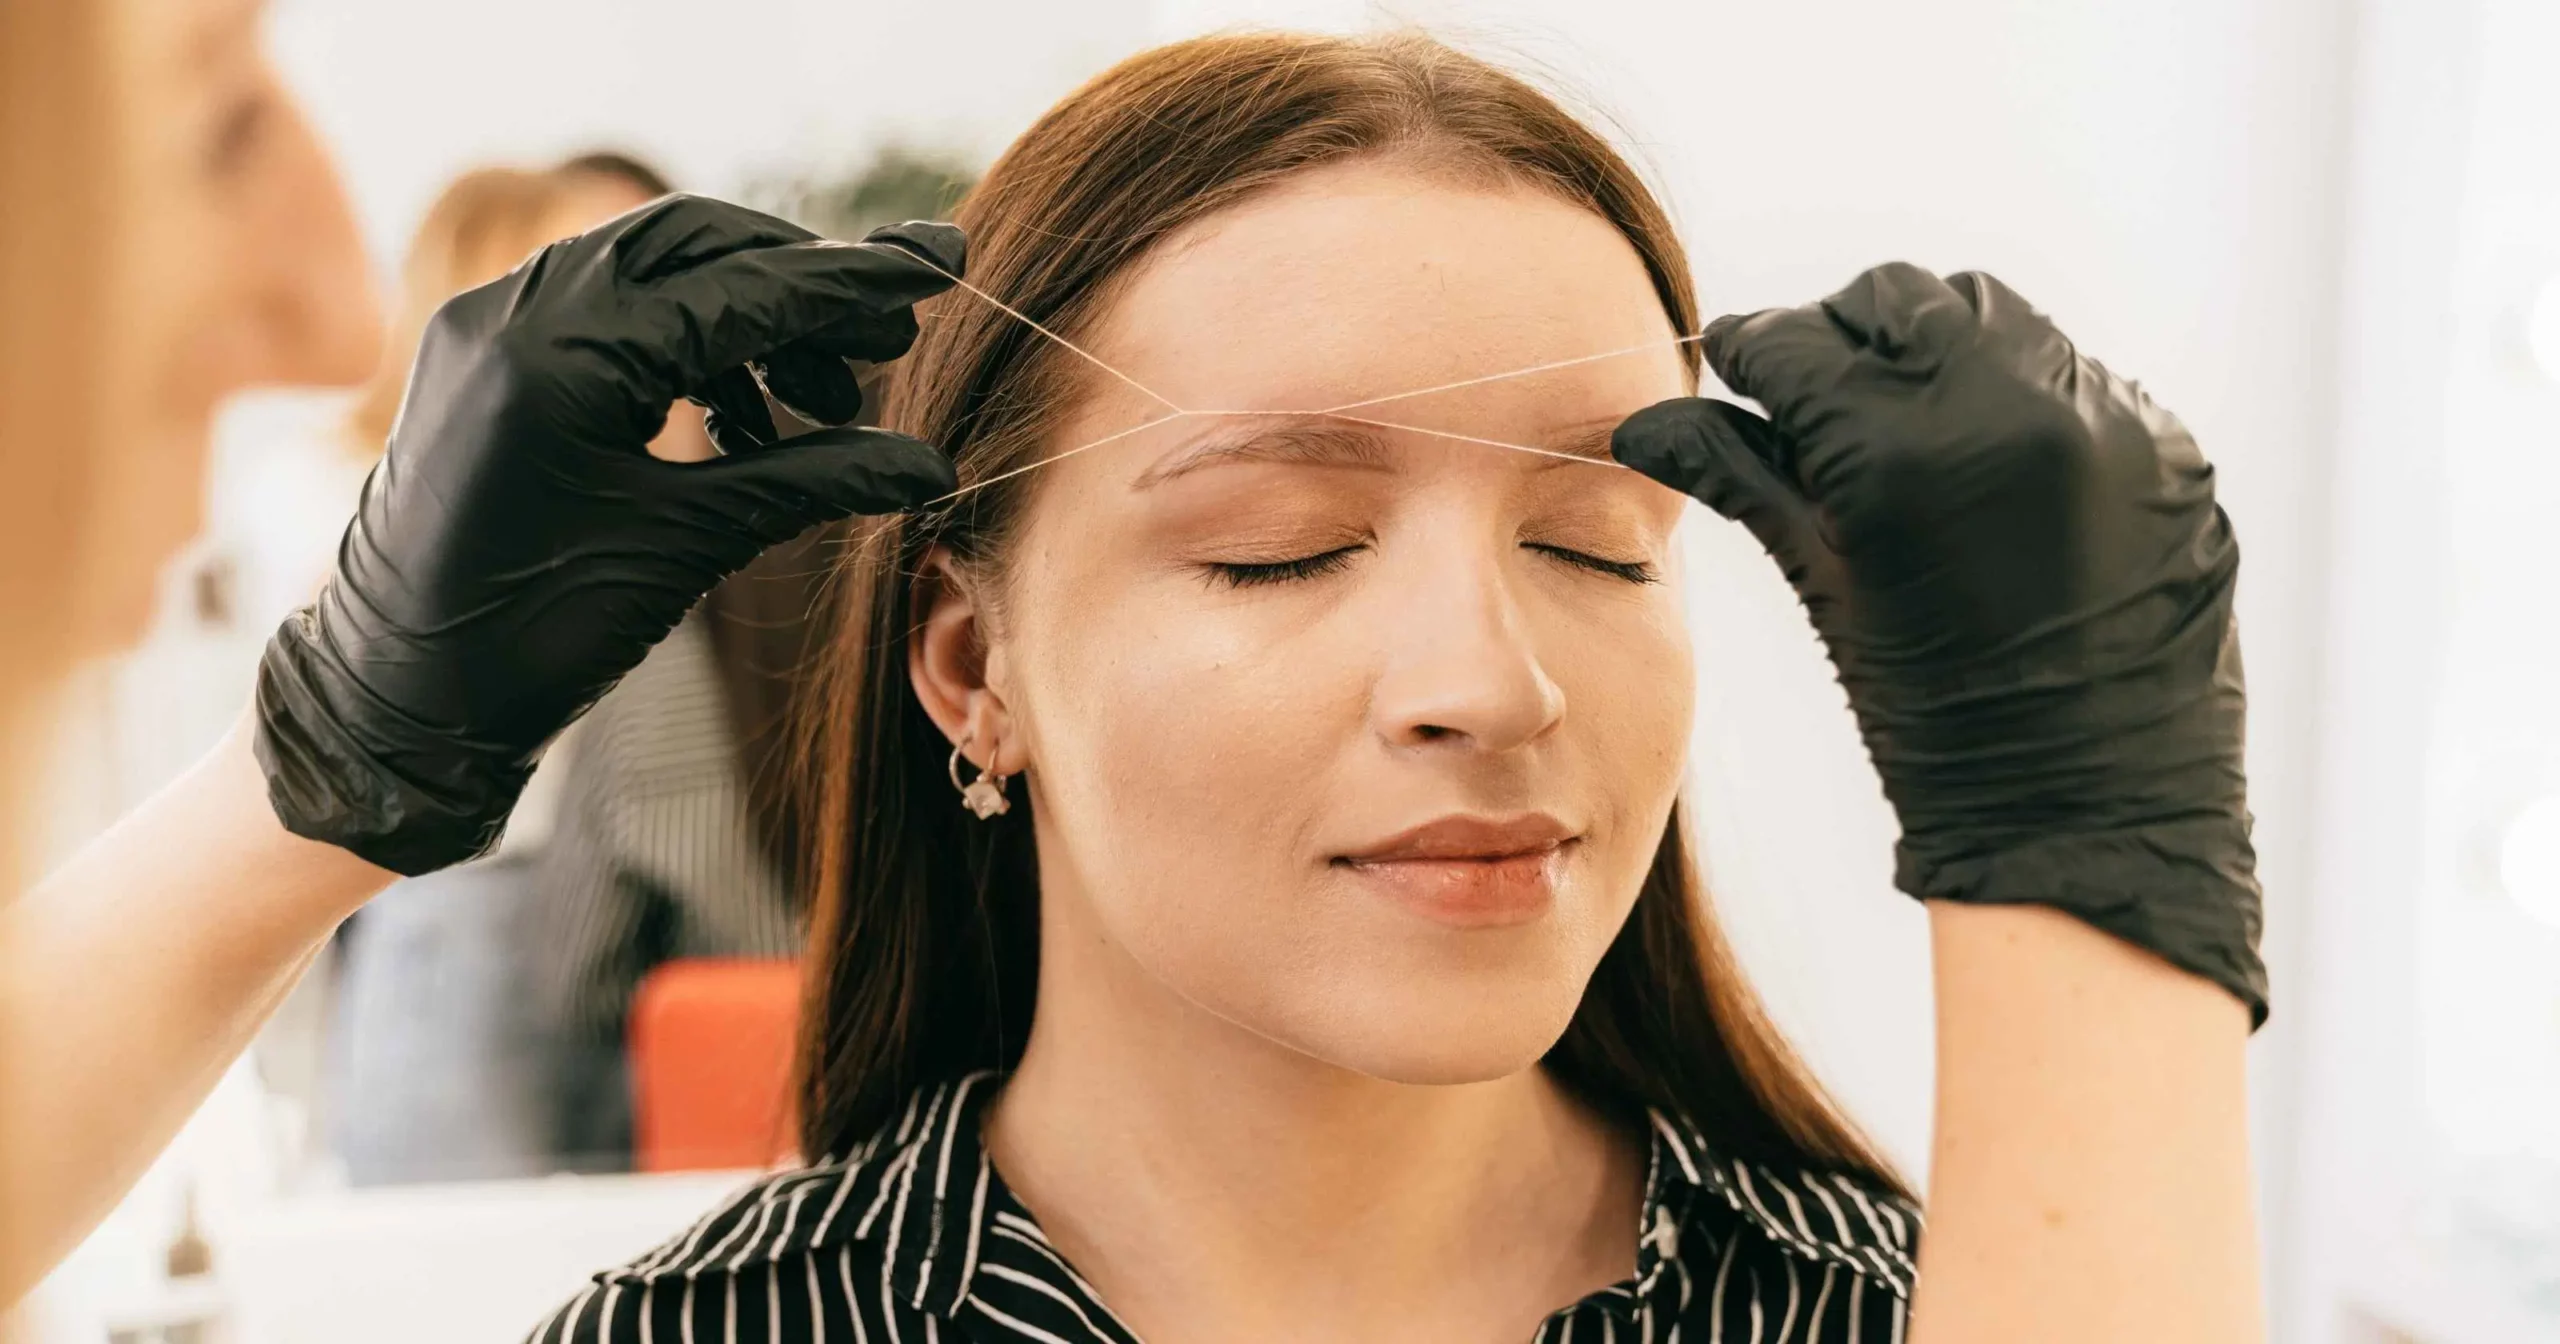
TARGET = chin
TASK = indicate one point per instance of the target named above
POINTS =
(1468, 1035)
(142, 506)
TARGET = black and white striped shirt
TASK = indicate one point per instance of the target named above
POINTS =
(914, 1239)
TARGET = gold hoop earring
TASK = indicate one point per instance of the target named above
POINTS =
(983, 796)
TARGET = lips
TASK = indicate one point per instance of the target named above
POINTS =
(1482, 839)
(1469, 872)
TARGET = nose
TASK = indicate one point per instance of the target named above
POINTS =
(1462, 669)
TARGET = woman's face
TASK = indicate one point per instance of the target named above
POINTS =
(1361, 739)
(237, 264)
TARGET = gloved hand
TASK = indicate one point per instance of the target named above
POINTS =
(518, 550)
(2016, 563)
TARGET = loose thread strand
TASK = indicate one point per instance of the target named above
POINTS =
(1176, 412)
(1517, 373)
(1019, 316)
(1058, 457)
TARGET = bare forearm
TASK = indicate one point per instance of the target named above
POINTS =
(2090, 1177)
(132, 977)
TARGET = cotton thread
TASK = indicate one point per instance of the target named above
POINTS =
(1174, 411)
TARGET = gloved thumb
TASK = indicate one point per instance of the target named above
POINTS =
(776, 493)
(1725, 458)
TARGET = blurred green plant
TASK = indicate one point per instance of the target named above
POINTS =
(899, 182)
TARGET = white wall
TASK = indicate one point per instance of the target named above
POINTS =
(720, 94)
(2430, 1195)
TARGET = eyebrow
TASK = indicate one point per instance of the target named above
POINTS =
(1346, 441)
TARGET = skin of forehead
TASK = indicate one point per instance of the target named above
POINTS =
(1379, 410)
(1364, 283)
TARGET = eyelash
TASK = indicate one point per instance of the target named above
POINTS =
(1327, 562)
(1283, 571)
(1629, 571)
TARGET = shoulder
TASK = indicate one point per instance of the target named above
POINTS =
(796, 1255)
(769, 1263)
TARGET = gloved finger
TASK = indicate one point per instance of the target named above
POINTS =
(879, 338)
(1902, 312)
(777, 494)
(812, 383)
(874, 338)
(1727, 459)
(738, 421)
(2000, 308)
(1993, 300)
(677, 233)
(750, 303)
(942, 244)
(1784, 358)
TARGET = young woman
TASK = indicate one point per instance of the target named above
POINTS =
(1254, 901)
(2088, 1176)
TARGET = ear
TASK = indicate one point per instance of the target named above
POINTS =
(949, 661)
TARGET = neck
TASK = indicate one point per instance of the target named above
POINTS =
(1213, 1183)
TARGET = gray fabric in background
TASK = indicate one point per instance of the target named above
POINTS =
(438, 1073)
(480, 1017)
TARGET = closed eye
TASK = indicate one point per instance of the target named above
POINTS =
(1235, 575)
(1631, 571)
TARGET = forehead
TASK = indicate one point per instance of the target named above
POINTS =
(1373, 278)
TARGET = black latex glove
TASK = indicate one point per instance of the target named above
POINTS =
(2017, 565)
(518, 550)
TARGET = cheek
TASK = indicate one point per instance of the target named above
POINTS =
(1628, 671)
(1180, 746)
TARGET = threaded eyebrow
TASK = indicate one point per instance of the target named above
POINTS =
(1295, 442)
(1305, 438)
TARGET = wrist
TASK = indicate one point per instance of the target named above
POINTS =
(344, 767)
(2185, 890)
(317, 884)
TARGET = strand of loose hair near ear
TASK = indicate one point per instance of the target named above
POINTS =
(1175, 411)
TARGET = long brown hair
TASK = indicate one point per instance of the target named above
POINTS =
(925, 939)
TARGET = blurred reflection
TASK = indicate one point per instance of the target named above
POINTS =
(481, 1022)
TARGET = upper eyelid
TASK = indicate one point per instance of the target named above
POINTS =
(1559, 548)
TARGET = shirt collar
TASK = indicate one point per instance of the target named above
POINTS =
(923, 1192)
(1825, 1217)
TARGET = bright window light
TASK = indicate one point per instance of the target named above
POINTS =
(2529, 859)
(2542, 329)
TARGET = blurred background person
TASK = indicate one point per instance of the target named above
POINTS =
(481, 1023)
(192, 241)
(136, 972)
